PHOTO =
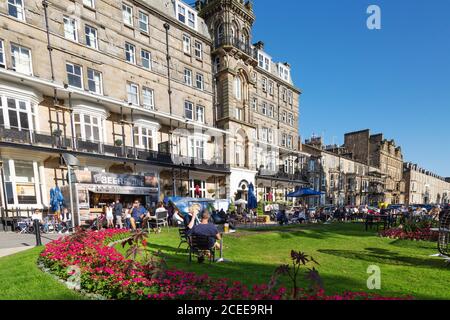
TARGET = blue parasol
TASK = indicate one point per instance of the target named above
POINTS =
(56, 199)
(252, 202)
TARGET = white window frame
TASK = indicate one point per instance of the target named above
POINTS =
(264, 84)
(127, 14)
(264, 134)
(264, 61)
(255, 104)
(144, 54)
(2, 55)
(186, 15)
(291, 119)
(189, 106)
(72, 33)
(13, 179)
(198, 50)
(19, 63)
(187, 44)
(133, 91)
(271, 111)
(238, 87)
(239, 112)
(83, 125)
(264, 108)
(197, 148)
(91, 35)
(98, 84)
(144, 21)
(20, 9)
(29, 110)
(200, 114)
(130, 50)
(80, 76)
(148, 98)
(271, 84)
(188, 77)
(200, 81)
(144, 131)
(89, 3)
(290, 97)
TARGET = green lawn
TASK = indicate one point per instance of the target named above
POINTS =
(344, 252)
(21, 279)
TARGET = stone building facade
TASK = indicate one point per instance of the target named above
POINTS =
(343, 180)
(425, 187)
(124, 86)
(256, 102)
(378, 152)
(151, 98)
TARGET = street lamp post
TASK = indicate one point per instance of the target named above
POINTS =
(4, 192)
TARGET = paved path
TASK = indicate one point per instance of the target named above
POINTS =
(11, 242)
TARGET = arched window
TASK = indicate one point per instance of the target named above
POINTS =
(220, 32)
(245, 37)
(238, 87)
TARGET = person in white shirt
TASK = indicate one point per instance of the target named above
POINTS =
(110, 217)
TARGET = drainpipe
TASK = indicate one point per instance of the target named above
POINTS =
(49, 47)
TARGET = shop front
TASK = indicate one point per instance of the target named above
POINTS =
(93, 190)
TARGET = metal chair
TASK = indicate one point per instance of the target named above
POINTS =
(183, 238)
(444, 233)
(199, 244)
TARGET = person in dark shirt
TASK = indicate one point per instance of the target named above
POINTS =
(118, 208)
(207, 229)
(138, 213)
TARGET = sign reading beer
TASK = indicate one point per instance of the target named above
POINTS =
(112, 179)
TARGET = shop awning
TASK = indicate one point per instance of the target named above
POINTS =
(304, 192)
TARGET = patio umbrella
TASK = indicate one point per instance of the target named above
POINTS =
(252, 202)
(56, 199)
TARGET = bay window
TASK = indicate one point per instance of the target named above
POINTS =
(144, 137)
(16, 9)
(88, 127)
(21, 59)
(197, 148)
(17, 114)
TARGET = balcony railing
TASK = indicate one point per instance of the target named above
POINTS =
(235, 42)
(281, 174)
(30, 138)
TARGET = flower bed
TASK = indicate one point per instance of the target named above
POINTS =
(424, 234)
(104, 271)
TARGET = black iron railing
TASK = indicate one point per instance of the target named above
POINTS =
(235, 42)
(30, 138)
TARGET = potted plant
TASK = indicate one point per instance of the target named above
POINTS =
(118, 143)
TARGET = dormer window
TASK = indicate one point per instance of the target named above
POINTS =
(186, 15)
(264, 61)
(284, 72)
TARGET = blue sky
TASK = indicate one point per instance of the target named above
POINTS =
(395, 80)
